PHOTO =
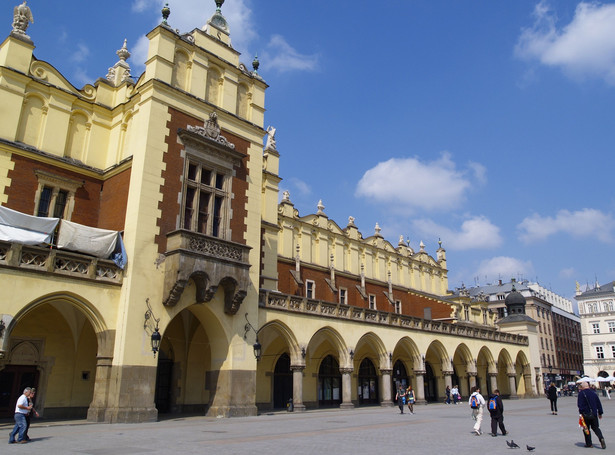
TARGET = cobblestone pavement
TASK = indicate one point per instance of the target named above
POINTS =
(438, 428)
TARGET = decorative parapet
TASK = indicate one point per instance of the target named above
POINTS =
(46, 260)
(295, 304)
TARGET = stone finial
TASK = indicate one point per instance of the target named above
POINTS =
(401, 241)
(320, 208)
(255, 64)
(377, 230)
(286, 196)
(166, 12)
(120, 72)
(422, 246)
(22, 16)
(351, 221)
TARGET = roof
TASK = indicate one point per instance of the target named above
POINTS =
(598, 291)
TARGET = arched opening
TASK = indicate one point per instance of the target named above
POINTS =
(329, 383)
(368, 383)
(431, 391)
(164, 377)
(282, 382)
(399, 376)
(52, 348)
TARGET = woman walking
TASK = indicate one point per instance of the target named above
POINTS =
(552, 395)
(410, 399)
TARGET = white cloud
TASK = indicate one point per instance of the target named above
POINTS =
(81, 77)
(302, 187)
(81, 54)
(583, 48)
(475, 233)
(281, 56)
(504, 268)
(567, 272)
(408, 184)
(582, 223)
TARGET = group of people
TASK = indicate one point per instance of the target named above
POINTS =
(405, 396)
(590, 408)
(24, 409)
(452, 393)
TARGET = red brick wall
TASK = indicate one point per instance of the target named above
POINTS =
(170, 205)
(412, 304)
(113, 201)
(22, 191)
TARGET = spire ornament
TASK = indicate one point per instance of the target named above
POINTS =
(166, 12)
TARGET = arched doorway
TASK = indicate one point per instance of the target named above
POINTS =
(368, 383)
(399, 376)
(164, 378)
(282, 382)
(431, 393)
(13, 380)
(329, 383)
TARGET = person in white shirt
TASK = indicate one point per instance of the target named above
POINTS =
(22, 408)
(477, 412)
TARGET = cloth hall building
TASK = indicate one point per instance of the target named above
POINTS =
(143, 214)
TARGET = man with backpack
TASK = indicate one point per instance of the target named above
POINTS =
(496, 410)
(477, 403)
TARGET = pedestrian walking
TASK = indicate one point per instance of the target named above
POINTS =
(455, 394)
(448, 395)
(29, 414)
(496, 411)
(410, 398)
(21, 409)
(590, 410)
(400, 396)
(552, 396)
(477, 403)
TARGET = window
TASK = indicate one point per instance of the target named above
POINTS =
(398, 306)
(343, 296)
(599, 352)
(613, 350)
(372, 302)
(611, 326)
(310, 289)
(542, 344)
(205, 199)
(501, 297)
(595, 327)
(551, 343)
(466, 313)
(55, 196)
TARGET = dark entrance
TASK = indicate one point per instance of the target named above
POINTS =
(431, 393)
(399, 376)
(282, 382)
(13, 380)
(164, 375)
(368, 383)
(329, 383)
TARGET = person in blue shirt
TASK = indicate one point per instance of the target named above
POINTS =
(591, 409)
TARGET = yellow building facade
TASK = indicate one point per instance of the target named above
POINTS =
(217, 262)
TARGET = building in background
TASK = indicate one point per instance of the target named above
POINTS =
(152, 267)
(597, 311)
(559, 329)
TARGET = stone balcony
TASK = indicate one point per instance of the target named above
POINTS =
(210, 262)
(59, 262)
(292, 303)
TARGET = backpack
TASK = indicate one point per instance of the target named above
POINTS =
(493, 404)
(474, 402)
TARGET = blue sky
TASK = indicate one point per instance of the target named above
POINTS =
(486, 123)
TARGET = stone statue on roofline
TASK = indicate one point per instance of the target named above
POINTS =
(22, 16)
(270, 144)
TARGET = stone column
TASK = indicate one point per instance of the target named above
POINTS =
(472, 378)
(386, 397)
(96, 411)
(346, 388)
(298, 387)
(448, 379)
(513, 386)
(419, 392)
(493, 378)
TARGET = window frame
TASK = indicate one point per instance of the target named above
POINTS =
(310, 289)
(57, 185)
(343, 296)
(371, 302)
